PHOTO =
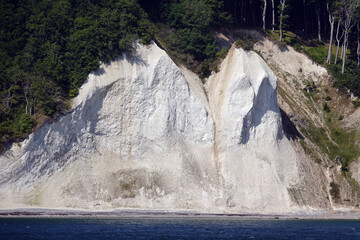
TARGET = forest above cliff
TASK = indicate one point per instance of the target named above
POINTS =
(48, 48)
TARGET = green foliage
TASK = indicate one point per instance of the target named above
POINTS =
(192, 21)
(348, 80)
(222, 53)
(204, 69)
(340, 143)
(356, 104)
(146, 38)
(17, 128)
(186, 32)
(26, 124)
(291, 39)
(317, 53)
(246, 42)
(241, 44)
(309, 151)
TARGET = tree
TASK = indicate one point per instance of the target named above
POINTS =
(338, 39)
(349, 8)
(330, 6)
(264, 13)
(282, 17)
(193, 21)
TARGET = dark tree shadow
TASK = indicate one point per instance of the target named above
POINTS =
(289, 128)
(99, 72)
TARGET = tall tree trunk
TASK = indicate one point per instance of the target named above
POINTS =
(345, 44)
(282, 7)
(330, 42)
(7, 101)
(342, 49)
(27, 104)
(273, 15)
(331, 21)
(264, 14)
(338, 39)
(27, 86)
(318, 22)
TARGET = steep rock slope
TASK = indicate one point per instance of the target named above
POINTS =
(144, 134)
(260, 168)
(304, 110)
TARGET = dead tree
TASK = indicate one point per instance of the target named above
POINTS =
(332, 23)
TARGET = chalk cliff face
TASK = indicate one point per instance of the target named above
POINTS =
(257, 164)
(145, 134)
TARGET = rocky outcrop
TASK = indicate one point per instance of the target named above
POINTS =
(144, 134)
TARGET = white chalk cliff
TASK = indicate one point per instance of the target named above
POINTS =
(145, 134)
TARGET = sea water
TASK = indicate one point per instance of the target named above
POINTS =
(176, 228)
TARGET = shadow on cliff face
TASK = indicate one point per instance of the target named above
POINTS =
(99, 72)
(289, 128)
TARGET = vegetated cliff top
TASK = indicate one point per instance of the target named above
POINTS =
(49, 48)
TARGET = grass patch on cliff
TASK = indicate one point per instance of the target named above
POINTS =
(310, 151)
(345, 149)
(246, 42)
(335, 142)
(331, 139)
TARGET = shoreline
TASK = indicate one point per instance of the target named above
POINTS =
(135, 213)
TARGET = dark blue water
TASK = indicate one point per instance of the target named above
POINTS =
(215, 228)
